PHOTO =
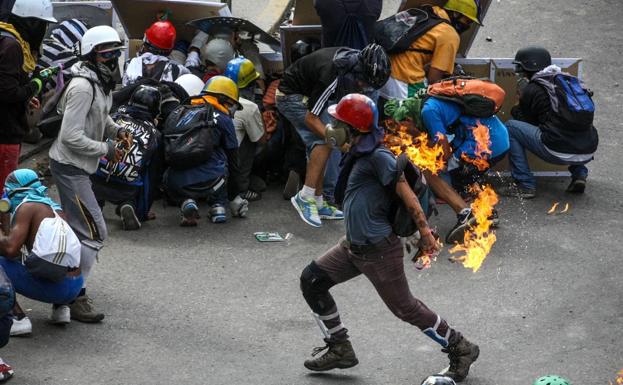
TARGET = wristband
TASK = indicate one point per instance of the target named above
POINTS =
(39, 85)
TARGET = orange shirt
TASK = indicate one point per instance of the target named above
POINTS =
(442, 39)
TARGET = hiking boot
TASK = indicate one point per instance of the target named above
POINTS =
(328, 211)
(307, 210)
(339, 355)
(577, 186)
(462, 355)
(190, 213)
(465, 220)
(82, 310)
(516, 191)
(292, 185)
(129, 220)
(21, 327)
(61, 315)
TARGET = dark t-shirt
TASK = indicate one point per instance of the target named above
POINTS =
(333, 13)
(368, 198)
(314, 76)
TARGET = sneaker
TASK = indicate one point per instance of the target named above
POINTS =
(464, 221)
(327, 211)
(61, 315)
(307, 210)
(218, 214)
(6, 371)
(129, 220)
(339, 355)
(495, 219)
(577, 186)
(462, 355)
(190, 213)
(516, 191)
(21, 327)
(82, 310)
(292, 185)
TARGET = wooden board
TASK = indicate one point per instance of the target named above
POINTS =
(137, 15)
(290, 34)
(92, 13)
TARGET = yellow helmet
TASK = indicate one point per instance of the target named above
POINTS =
(468, 8)
(222, 86)
(242, 71)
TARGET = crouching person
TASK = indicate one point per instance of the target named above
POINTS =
(50, 271)
(7, 301)
(128, 182)
(201, 151)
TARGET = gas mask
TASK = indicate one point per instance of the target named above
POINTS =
(338, 135)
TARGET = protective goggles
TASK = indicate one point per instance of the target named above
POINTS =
(114, 54)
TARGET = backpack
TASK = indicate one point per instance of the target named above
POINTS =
(131, 168)
(477, 97)
(51, 118)
(352, 32)
(188, 136)
(396, 33)
(572, 103)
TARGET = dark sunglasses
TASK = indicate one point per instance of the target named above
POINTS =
(110, 54)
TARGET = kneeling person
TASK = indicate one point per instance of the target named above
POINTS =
(50, 272)
(371, 247)
(205, 166)
(127, 182)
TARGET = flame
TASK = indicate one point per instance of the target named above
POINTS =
(423, 262)
(618, 380)
(399, 141)
(553, 209)
(483, 147)
(566, 208)
(480, 238)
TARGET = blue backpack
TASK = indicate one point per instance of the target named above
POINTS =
(573, 105)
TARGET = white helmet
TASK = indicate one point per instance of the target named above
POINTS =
(191, 83)
(219, 52)
(102, 34)
(38, 9)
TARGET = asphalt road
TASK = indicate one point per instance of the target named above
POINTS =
(213, 306)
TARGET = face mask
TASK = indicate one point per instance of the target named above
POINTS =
(232, 110)
(338, 135)
(459, 27)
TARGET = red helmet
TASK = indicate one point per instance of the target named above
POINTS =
(161, 35)
(357, 110)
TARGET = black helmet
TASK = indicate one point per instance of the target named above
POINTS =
(303, 47)
(147, 98)
(533, 59)
(375, 65)
(438, 379)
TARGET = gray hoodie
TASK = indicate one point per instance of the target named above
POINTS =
(86, 122)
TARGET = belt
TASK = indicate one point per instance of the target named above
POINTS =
(370, 248)
(74, 272)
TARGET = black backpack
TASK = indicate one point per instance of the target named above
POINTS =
(51, 119)
(188, 135)
(398, 32)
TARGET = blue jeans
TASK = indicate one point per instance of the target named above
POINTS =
(293, 108)
(40, 289)
(524, 136)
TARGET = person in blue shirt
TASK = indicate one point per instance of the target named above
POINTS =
(218, 178)
(446, 124)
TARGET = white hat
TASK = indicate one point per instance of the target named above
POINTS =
(219, 52)
(102, 34)
(39, 9)
(191, 83)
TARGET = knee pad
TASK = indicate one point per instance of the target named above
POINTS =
(315, 285)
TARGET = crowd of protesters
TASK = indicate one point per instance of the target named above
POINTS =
(202, 122)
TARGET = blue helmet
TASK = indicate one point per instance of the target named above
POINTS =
(242, 71)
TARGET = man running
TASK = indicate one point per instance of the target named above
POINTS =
(370, 246)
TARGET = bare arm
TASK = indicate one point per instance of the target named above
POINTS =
(315, 125)
(11, 244)
(434, 75)
(414, 208)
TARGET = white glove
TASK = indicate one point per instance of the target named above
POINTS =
(239, 207)
(200, 39)
(193, 60)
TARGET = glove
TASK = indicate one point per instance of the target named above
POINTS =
(193, 60)
(239, 207)
(200, 39)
